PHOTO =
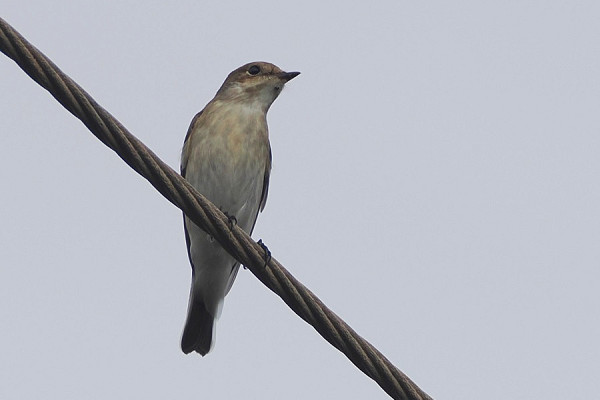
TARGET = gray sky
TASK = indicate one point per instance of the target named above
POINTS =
(435, 182)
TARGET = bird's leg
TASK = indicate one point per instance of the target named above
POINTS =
(267, 255)
(231, 219)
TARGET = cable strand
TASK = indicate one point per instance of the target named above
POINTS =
(207, 216)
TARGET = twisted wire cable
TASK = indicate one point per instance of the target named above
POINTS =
(207, 216)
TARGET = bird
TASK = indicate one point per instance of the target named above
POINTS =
(227, 157)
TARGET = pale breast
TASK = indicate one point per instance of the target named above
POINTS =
(227, 158)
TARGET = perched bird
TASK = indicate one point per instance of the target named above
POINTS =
(227, 157)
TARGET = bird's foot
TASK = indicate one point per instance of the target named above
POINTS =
(267, 255)
(231, 219)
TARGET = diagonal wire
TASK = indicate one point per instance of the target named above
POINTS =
(179, 192)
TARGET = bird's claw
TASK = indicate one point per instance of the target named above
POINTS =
(267, 255)
(231, 219)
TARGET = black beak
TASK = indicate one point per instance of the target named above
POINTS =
(288, 76)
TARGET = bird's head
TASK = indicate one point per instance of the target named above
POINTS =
(257, 83)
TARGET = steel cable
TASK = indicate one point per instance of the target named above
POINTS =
(179, 192)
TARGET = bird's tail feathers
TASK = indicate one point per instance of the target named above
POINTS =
(198, 334)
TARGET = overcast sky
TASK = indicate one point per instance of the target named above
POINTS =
(435, 181)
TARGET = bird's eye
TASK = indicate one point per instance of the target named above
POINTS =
(254, 70)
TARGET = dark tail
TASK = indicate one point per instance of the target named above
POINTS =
(197, 334)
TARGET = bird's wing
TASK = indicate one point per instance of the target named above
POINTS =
(186, 144)
(188, 243)
(184, 161)
(265, 189)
